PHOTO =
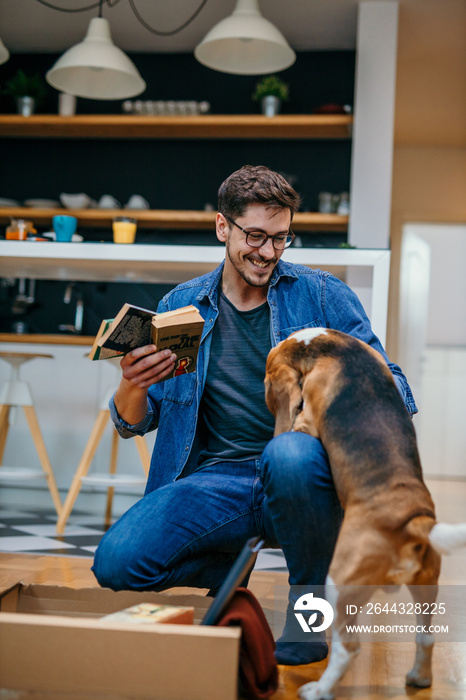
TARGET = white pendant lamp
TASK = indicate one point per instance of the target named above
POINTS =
(96, 68)
(4, 53)
(245, 43)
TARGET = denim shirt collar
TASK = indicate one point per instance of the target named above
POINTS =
(210, 288)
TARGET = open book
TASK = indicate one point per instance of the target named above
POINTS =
(180, 330)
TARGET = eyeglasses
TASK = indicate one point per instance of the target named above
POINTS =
(256, 239)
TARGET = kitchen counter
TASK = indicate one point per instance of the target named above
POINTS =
(149, 262)
(366, 271)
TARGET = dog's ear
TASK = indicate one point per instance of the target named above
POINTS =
(283, 396)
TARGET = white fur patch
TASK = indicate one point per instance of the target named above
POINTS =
(445, 537)
(338, 663)
(307, 334)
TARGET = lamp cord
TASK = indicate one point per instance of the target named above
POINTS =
(79, 9)
(132, 4)
(173, 31)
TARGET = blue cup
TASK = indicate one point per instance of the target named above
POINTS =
(64, 227)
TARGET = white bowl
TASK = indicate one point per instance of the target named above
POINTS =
(75, 201)
(108, 202)
(137, 202)
(42, 203)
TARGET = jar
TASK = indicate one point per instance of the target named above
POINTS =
(18, 230)
(325, 203)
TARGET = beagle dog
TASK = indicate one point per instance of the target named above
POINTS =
(340, 390)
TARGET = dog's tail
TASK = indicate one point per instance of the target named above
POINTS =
(446, 538)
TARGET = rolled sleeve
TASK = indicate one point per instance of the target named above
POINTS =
(404, 389)
(126, 430)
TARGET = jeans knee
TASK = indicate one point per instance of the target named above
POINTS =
(293, 455)
(105, 567)
(114, 566)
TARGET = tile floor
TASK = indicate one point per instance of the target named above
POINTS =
(32, 531)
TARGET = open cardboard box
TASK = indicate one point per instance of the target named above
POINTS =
(53, 644)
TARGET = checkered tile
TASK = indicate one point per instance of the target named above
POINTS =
(32, 531)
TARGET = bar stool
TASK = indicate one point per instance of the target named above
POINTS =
(17, 393)
(112, 479)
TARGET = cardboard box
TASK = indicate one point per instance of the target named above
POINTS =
(54, 644)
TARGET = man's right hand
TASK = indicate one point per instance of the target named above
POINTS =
(141, 368)
(145, 366)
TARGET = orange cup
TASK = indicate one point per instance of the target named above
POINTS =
(124, 229)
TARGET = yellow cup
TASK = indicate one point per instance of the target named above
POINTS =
(124, 229)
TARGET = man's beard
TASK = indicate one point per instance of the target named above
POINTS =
(246, 277)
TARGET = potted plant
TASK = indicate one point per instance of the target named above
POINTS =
(271, 91)
(27, 90)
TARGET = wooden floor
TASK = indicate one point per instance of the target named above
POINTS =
(377, 674)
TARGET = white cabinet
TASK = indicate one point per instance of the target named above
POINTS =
(441, 422)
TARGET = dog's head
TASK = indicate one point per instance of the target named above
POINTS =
(287, 366)
(282, 387)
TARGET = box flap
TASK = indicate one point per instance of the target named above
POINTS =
(95, 602)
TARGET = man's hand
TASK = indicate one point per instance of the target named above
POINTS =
(145, 366)
(141, 368)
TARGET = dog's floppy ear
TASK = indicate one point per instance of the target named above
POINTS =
(283, 396)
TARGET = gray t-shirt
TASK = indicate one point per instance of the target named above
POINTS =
(237, 421)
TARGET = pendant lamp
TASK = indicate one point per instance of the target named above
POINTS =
(245, 43)
(96, 68)
(4, 53)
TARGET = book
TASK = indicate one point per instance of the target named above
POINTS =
(149, 614)
(180, 330)
(130, 329)
(98, 353)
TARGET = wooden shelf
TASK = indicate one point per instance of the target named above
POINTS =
(47, 339)
(224, 126)
(164, 218)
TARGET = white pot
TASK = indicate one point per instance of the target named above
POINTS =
(271, 105)
(25, 105)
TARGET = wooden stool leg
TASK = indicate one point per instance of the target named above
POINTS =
(4, 415)
(83, 468)
(30, 413)
(144, 455)
(112, 470)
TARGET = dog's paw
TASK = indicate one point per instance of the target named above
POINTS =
(414, 678)
(314, 691)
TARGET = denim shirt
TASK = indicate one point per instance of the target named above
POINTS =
(298, 297)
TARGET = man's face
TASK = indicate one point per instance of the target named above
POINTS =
(253, 266)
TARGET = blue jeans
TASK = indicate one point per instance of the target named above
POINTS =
(189, 532)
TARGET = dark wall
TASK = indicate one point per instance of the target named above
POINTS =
(170, 174)
(316, 77)
(181, 174)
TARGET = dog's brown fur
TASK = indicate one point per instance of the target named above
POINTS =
(341, 391)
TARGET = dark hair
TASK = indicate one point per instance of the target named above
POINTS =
(255, 184)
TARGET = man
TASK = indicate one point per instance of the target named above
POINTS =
(217, 477)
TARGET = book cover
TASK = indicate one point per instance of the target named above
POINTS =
(182, 334)
(98, 353)
(131, 328)
(180, 330)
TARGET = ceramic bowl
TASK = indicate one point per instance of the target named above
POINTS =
(108, 202)
(137, 202)
(75, 201)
